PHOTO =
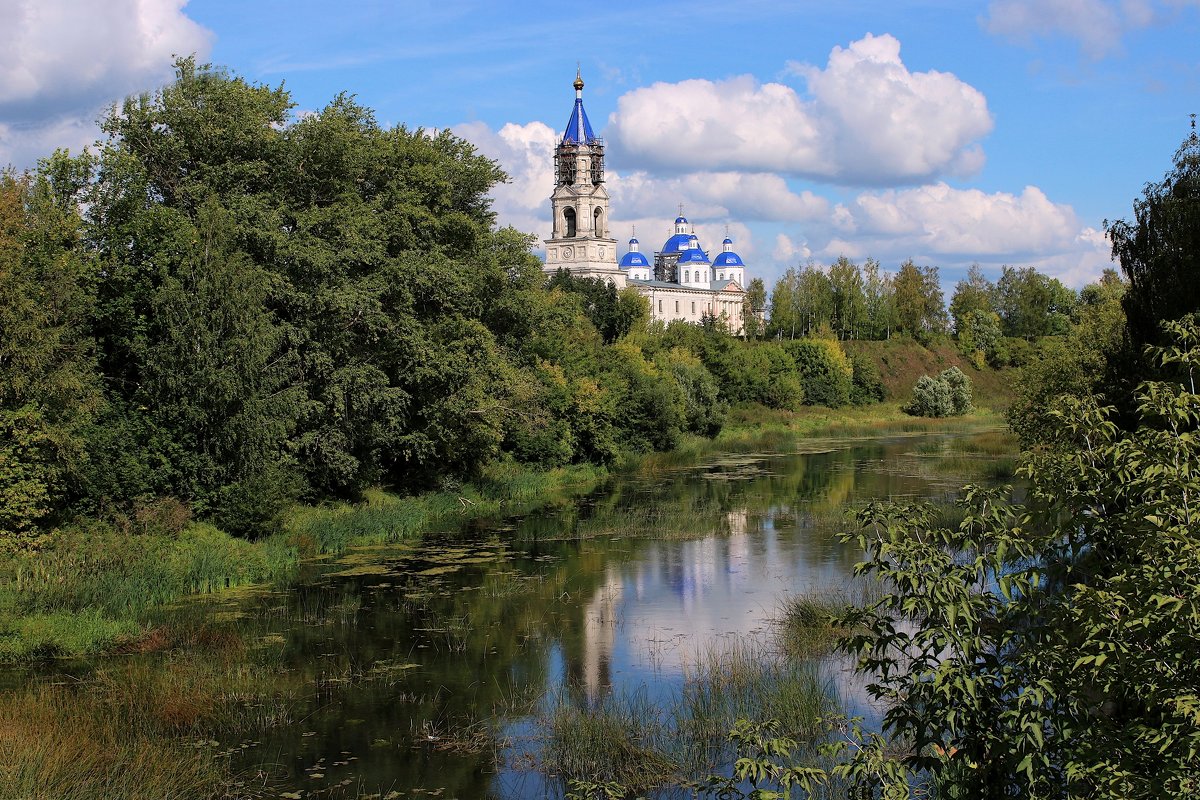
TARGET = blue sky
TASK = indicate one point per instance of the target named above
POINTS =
(998, 132)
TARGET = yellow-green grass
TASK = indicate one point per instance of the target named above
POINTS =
(96, 587)
(139, 730)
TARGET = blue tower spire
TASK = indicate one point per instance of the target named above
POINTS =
(579, 130)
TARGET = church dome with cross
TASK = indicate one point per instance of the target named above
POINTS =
(680, 281)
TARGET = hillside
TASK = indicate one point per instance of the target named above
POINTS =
(902, 360)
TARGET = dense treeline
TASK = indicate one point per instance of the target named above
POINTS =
(241, 309)
(864, 302)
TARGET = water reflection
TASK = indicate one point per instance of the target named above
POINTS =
(410, 648)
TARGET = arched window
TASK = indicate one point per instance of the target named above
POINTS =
(569, 217)
(598, 219)
(687, 276)
(720, 276)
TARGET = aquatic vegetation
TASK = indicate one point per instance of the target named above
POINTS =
(805, 626)
(622, 740)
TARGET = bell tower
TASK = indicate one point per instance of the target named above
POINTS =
(580, 240)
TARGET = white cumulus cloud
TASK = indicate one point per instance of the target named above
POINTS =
(866, 119)
(62, 62)
(941, 224)
(638, 198)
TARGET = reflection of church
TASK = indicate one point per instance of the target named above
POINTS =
(681, 282)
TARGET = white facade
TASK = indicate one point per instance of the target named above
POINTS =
(680, 281)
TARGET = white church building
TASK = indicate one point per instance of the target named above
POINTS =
(680, 280)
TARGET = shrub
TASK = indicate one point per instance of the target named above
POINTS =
(825, 372)
(866, 384)
(947, 395)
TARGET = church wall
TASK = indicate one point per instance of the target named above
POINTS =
(692, 305)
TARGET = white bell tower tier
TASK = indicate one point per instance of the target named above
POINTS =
(580, 241)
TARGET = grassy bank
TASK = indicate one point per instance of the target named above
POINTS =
(98, 587)
(756, 423)
(901, 361)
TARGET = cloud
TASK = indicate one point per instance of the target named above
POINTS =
(638, 198)
(866, 120)
(941, 224)
(62, 62)
(1098, 25)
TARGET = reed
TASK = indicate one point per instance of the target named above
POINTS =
(141, 730)
(805, 627)
(621, 740)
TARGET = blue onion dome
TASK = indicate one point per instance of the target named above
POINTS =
(633, 259)
(680, 220)
(693, 256)
(677, 243)
(728, 259)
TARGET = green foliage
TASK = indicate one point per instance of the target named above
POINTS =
(801, 301)
(947, 395)
(1032, 305)
(1079, 364)
(975, 293)
(866, 384)
(1047, 649)
(49, 388)
(979, 332)
(754, 310)
(1159, 251)
(825, 373)
(762, 753)
(920, 309)
(613, 313)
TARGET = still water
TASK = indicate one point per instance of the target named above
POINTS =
(429, 666)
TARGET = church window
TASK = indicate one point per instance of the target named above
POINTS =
(660, 306)
(598, 217)
(720, 276)
(676, 306)
(693, 306)
(687, 276)
(569, 217)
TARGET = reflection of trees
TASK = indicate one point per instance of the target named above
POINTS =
(544, 608)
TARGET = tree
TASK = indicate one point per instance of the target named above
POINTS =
(1081, 364)
(1047, 649)
(1159, 251)
(849, 301)
(920, 309)
(49, 388)
(1032, 305)
(975, 293)
(753, 309)
(979, 336)
(880, 299)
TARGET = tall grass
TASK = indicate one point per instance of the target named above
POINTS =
(621, 740)
(502, 489)
(94, 587)
(628, 740)
(804, 625)
(140, 731)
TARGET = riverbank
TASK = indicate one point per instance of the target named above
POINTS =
(206, 695)
(99, 587)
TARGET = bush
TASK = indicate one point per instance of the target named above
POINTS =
(866, 384)
(825, 372)
(947, 395)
